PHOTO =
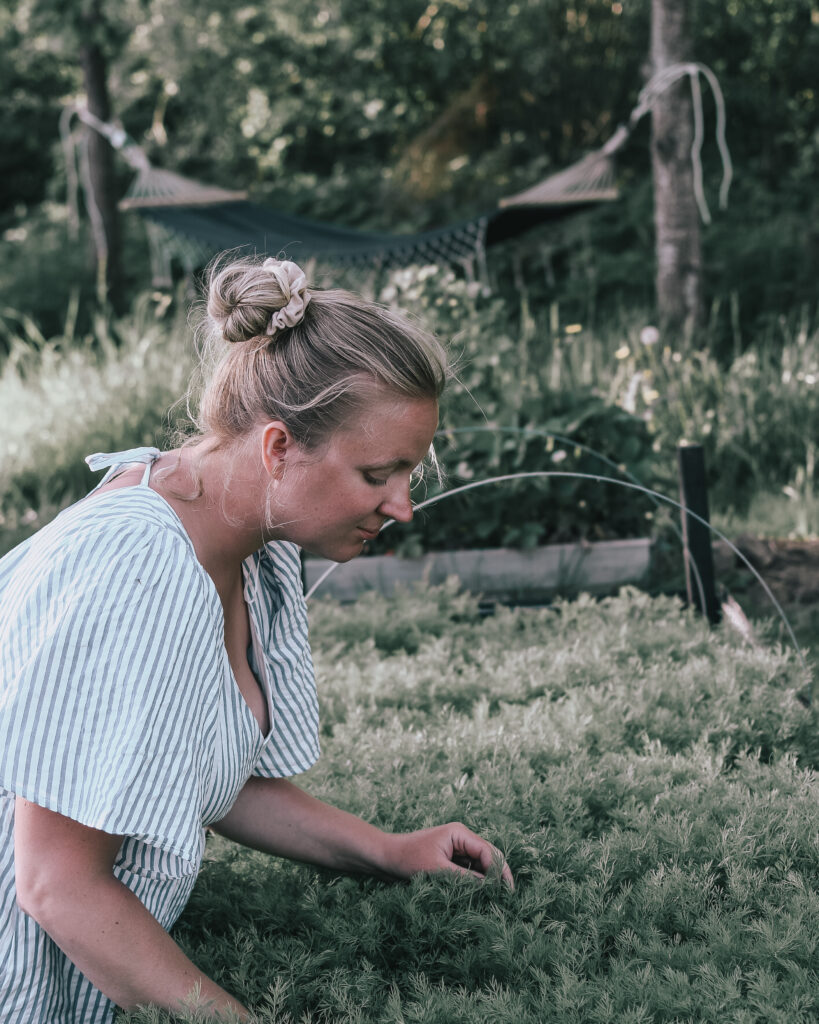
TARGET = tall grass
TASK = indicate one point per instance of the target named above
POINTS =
(757, 417)
(65, 397)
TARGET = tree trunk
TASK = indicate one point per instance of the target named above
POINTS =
(676, 216)
(101, 193)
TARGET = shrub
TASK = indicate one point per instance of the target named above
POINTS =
(514, 393)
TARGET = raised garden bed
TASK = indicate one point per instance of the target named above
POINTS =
(497, 574)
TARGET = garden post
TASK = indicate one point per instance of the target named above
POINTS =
(697, 553)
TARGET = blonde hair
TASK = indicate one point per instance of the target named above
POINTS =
(340, 352)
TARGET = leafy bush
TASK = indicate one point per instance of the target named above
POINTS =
(527, 512)
(45, 274)
(513, 408)
(650, 781)
(625, 391)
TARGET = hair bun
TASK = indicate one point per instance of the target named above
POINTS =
(248, 300)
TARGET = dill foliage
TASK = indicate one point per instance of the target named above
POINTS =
(650, 781)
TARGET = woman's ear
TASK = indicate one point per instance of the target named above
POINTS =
(277, 441)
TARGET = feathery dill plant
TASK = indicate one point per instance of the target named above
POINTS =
(651, 782)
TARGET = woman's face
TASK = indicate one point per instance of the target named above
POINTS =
(332, 501)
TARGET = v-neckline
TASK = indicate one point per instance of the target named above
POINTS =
(261, 680)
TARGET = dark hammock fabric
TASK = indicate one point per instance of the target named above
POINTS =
(233, 225)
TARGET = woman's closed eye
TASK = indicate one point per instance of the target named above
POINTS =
(374, 480)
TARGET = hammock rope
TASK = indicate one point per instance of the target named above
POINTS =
(665, 79)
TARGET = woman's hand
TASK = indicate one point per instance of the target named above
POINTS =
(451, 847)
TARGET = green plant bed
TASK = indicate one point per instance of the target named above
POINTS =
(651, 782)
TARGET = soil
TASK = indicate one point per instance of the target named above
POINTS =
(790, 568)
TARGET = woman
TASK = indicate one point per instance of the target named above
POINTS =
(156, 671)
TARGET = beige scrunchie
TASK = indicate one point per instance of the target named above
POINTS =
(293, 284)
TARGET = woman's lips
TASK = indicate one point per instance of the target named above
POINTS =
(368, 534)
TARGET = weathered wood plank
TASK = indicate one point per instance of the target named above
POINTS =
(499, 574)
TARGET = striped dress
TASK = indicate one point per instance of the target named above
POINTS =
(119, 709)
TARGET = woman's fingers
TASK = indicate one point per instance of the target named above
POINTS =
(451, 847)
(472, 852)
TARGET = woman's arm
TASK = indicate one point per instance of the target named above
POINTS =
(277, 817)
(64, 881)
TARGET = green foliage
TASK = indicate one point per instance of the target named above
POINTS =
(513, 394)
(403, 624)
(32, 85)
(532, 394)
(757, 417)
(269, 74)
(791, 513)
(650, 782)
(39, 258)
(444, 109)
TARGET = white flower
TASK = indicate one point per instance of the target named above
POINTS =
(649, 335)
(559, 455)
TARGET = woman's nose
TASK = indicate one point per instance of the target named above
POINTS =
(398, 504)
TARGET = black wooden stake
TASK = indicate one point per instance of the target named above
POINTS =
(699, 576)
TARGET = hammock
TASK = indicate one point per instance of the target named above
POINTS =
(220, 220)
(190, 221)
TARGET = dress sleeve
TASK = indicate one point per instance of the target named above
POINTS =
(293, 744)
(106, 702)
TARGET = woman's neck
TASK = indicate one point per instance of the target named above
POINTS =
(219, 499)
